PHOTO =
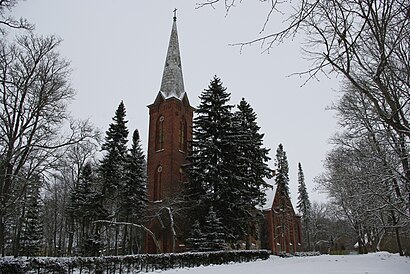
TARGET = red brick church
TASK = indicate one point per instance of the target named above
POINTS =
(282, 227)
(170, 123)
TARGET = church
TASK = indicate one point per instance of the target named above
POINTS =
(170, 130)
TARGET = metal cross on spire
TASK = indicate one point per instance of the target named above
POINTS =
(175, 14)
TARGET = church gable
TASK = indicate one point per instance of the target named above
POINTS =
(282, 226)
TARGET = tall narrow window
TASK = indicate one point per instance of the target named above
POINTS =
(157, 184)
(159, 138)
(182, 135)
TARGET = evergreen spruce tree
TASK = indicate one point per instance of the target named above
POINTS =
(86, 205)
(282, 190)
(214, 176)
(282, 171)
(252, 157)
(251, 162)
(81, 195)
(92, 246)
(32, 230)
(303, 205)
(112, 172)
(196, 238)
(213, 232)
(112, 164)
(134, 195)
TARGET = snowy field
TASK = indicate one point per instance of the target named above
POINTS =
(375, 263)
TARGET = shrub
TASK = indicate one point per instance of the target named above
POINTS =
(131, 263)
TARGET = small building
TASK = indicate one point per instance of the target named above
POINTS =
(281, 231)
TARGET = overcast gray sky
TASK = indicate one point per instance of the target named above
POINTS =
(117, 51)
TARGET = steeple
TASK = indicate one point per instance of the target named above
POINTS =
(172, 84)
(170, 124)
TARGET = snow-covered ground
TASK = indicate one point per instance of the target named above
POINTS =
(375, 263)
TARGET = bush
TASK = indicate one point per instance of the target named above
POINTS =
(307, 254)
(129, 264)
(339, 252)
(11, 267)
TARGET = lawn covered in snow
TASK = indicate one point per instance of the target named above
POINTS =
(374, 263)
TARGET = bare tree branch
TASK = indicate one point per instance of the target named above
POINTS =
(10, 22)
(112, 223)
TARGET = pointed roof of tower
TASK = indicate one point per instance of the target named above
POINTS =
(172, 84)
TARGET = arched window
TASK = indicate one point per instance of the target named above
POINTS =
(182, 135)
(159, 138)
(157, 184)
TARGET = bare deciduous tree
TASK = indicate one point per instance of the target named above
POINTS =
(9, 22)
(367, 173)
(34, 122)
(368, 42)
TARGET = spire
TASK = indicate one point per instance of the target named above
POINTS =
(172, 84)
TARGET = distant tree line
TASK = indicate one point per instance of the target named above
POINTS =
(52, 186)
(367, 175)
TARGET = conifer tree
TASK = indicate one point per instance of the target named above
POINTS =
(282, 192)
(115, 148)
(213, 232)
(112, 172)
(32, 232)
(303, 205)
(134, 196)
(251, 164)
(252, 157)
(282, 171)
(196, 238)
(86, 205)
(80, 198)
(214, 176)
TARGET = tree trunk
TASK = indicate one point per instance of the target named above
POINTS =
(70, 237)
(116, 241)
(396, 230)
(124, 240)
(397, 233)
(17, 235)
(131, 241)
(406, 166)
(2, 236)
(5, 194)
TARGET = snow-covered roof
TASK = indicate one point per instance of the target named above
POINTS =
(270, 195)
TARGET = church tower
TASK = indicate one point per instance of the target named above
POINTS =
(170, 129)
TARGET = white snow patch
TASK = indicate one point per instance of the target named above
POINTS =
(374, 263)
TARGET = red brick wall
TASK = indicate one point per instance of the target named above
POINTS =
(283, 226)
(170, 157)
